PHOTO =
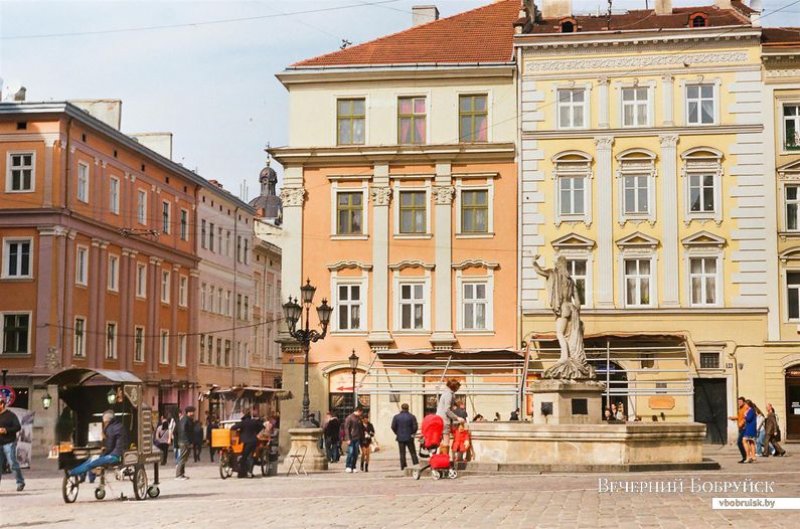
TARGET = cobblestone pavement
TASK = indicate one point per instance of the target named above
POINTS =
(385, 498)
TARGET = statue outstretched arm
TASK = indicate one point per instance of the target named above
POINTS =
(544, 272)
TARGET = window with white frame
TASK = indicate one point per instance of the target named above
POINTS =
(791, 126)
(141, 207)
(239, 313)
(211, 237)
(704, 280)
(184, 225)
(138, 344)
(17, 258)
(79, 338)
(412, 212)
(702, 172)
(111, 341)
(227, 358)
(349, 303)
(113, 273)
(211, 291)
(83, 182)
(183, 287)
(203, 288)
(165, 279)
(350, 121)
(475, 305)
(638, 282)
(141, 280)
(113, 195)
(219, 240)
(636, 106)
(572, 108)
(228, 305)
(163, 357)
(793, 294)
(572, 172)
(165, 216)
(578, 270)
(16, 333)
(411, 120)
(202, 348)
(81, 265)
(349, 212)
(700, 104)
(475, 211)
(791, 205)
(412, 306)
(203, 234)
(20, 173)
(701, 193)
(220, 309)
(219, 352)
(636, 197)
(636, 174)
(247, 308)
(182, 350)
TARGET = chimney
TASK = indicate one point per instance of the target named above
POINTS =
(556, 8)
(723, 4)
(663, 7)
(160, 142)
(423, 14)
(109, 111)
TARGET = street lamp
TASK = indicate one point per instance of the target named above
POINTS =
(47, 400)
(111, 396)
(293, 312)
(353, 366)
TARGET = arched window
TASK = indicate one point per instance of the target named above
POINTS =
(636, 173)
(702, 175)
(698, 20)
(572, 172)
(569, 25)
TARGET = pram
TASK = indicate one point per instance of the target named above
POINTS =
(440, 465)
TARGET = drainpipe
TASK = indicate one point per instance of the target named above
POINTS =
(236, 305)
(518, 158)
(65, 207)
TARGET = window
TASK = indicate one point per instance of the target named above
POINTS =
(202, 359)
(183, 286)
(113, 273)
(219, 351)
(141, 280)
(19, 176)
(228, 244)
(165, 214)
(413, 211)
(211, 236)
(572, 173)
(138, 344)
(349, 213)
(349, 303)
(637, 282)
(635, 107)
(203, 234)
(793, 294)
(227, 353)
(350, 120)
(111, 341)
(219, 240)
(412, 306)
(701, 193)
(165, 286)
(141, 207)
(246, 250)
(238, 248)
(475, 211)
(228, 302)
(702, 172)
(113, 195)
(83, 182)
(182, 350)
(219, 304)
(473, 114)
(577, 270)
(700, 104)
(572, 108)
(16, 330)
(79, 346)
(571, 195)
(211, 291)
(164, 350)
(791, 126)
(792, 210)
(247, 308)
(698, 20)
(704, 280)
(636, 194)
(17, 258)
(184, 225)
(475, 306)
(709, 360)
(81, 265)
(411, 117)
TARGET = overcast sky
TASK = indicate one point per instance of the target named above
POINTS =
(212, 85)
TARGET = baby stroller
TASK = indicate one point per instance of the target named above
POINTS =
(432, 433)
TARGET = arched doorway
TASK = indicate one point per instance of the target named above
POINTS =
(615, 375)
(792, 410)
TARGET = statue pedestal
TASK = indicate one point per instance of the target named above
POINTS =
(567, 402)
(315, 460)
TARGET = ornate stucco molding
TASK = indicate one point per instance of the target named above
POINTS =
(411, 263)
(293, 197)
(477, 263)
(380, 196)
(444, 194)
(341, 265)
(633, 62)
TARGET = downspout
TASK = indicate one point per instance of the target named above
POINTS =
(518, 157)
(237, 306)
(65, 208)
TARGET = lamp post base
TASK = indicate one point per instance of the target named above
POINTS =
(315, 460)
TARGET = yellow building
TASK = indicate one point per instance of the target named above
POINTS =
(641, 162)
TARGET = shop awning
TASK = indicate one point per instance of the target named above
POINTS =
(77, 376)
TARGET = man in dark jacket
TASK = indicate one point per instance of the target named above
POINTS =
(333, 442)
(184, 431)
(771, 433)
(248, 428)
(404, 426)
(353, 433)
(115, 442)
(9, 426)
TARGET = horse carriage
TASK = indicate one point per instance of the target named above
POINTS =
(87, 394)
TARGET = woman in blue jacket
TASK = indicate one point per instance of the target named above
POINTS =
(750, 431)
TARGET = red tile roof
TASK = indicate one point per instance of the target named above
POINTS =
(780, 37)
(481, 35)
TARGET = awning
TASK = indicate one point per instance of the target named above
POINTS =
(78, 376)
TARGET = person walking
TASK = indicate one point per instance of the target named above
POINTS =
(184, 431)
(9, 426)
(211, 425)
(404, 426)
(772, 433)
(197, 441)
(333, 443)
(249, 428)
(444, 409)
(749, 436)
(368, 441)
(162, 439)
(739, 418)
(353, 432)
(760, 432)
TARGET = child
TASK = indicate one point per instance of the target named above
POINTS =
(462, 441)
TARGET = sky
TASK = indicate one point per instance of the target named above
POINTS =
(213, 84)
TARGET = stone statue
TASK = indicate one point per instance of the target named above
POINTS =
(562, 296)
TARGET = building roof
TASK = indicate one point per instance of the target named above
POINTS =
(645, 19)
(780, 37)
(482, 35)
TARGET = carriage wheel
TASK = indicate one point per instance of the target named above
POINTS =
(140, 483)
(225, 468)
(69, 488)
(435, 474)
(153, 491)
(452, 473)
(99, 493)
(264, 462)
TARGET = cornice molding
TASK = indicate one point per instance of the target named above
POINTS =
(396, 154)
(643, 131)
(635, 61)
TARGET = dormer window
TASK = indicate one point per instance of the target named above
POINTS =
(698, 20)
(568, 25)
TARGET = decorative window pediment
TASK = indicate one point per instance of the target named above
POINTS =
(573, 241)
(789, 171)
(341, 265)
(411, 263)
(572, 172)
(638, 240)
(636, 173)
(703, 239)
(792, 254)
(476, 263)
(702, 175)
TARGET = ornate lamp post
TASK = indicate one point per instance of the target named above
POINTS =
(353, 366)
(293, 313)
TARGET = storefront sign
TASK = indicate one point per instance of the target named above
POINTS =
(8, 393)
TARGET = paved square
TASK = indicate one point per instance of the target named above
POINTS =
(384, 498)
